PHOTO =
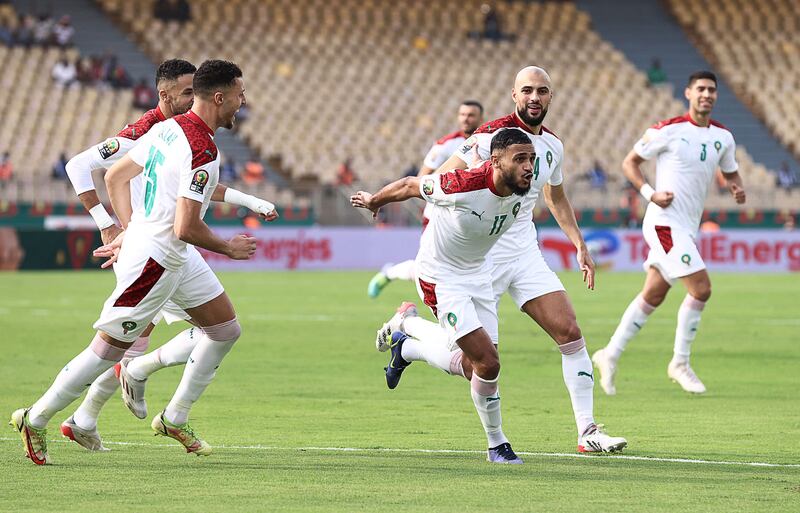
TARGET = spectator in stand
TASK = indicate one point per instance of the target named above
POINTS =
(64, 72)
(655, 75)
(24, 34)
(597, 176)
(144, 96)
(345, 174)
(6, 169)
(253, 172)
(63, 32)
(227, 172)
(786, 178)
(96, 69)
(43, 30)
(119, 78)
(60, 167)
(172, 10)
(83, 69)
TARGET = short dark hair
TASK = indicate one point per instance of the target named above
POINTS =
(505, 138)
(697, 75)
(213, 75)
(473, 103)
(171, 69)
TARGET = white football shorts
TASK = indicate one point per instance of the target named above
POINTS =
(673, 251)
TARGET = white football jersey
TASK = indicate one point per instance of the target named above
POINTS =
(521, 237)
(180, 159)
(687, 156)
(438, 155)
(470, 217)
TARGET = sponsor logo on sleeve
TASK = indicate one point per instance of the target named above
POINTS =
(199, 181)
(108, 148)
(427, 186)
(468, 144)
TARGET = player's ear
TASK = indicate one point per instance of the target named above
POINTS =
(219, 98)
(687, 92)
(163, 96)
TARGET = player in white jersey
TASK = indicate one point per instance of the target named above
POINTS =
(472, 210)
(181, 169)
(518, 266)
(174, 86)
(688, 150)
(470, 117)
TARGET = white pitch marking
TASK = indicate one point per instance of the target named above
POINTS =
(456, 451)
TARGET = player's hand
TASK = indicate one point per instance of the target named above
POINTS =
(737, 193)
(110, 233)
(662, 198)
(241, 247)
(363, 199)
(110, 250)
(265, 210)
(586, 265)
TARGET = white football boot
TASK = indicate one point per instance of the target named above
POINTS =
(608, 370)
(682, 374)
(595, 440)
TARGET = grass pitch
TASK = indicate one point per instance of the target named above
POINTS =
(301, 419)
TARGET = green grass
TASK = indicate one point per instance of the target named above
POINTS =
(305, 374)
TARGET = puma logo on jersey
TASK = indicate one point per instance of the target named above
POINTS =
(685, 140)
(479, 216)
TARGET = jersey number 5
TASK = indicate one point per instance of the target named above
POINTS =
(498, 224)
(155, 159)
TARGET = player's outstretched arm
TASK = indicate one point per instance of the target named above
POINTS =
(118, 183)
(396, 191)
(191, 229)
(560, 207)
(735, 185)
(79, 172)
(263, 208)
(632, 168)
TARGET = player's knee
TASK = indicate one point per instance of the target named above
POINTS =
(568, 332)
(653, 298)
(702, 292)
(228, 331)
(488, 368)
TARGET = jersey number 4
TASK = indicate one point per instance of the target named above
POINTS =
(155, 159)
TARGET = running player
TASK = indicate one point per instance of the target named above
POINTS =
(470, 117)
(688, 150)
(181, 170)
(453, 275)
(174, 85)
(518, 265)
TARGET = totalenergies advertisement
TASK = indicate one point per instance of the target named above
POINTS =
(621, 250)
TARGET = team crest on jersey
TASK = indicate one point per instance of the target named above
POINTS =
(516, 208)
(108, 148)
(128, 326)
(468, 144)
(452, 319)
(427, 186)
(549, 158)
(199, 181)
(717, 146)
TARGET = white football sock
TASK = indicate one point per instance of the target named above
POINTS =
(103, 388)
(201, 367)
(577, 369)
(174, 352)
(425, 331)
(486, 398)
(73, 379)
(632, 321)
(435, 354)
(688, 321)
(401, 271)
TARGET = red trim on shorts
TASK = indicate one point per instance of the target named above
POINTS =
(137, 290)
(425, 222)
(429, 296)
(665, 237)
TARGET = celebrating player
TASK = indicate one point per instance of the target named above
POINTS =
(518, 265)
(181, 170)
(472, 209)
(470, 117)
(688, 150)
(174, 85)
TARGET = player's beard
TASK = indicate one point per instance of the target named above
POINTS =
(530, 120)
(511, 183)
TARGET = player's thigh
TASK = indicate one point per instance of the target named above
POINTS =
(698, 285)
(532, 278)
(143, 287)
(555, 314)
(481, 353)
(656, 287)
(201, 295)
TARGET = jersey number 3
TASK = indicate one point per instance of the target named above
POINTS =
(155, 159)
(703, 154)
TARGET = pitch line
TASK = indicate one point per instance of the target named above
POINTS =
(455, 451)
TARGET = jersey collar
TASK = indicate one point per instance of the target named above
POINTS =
(688, 118)
(194, 118)
(521, 124)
